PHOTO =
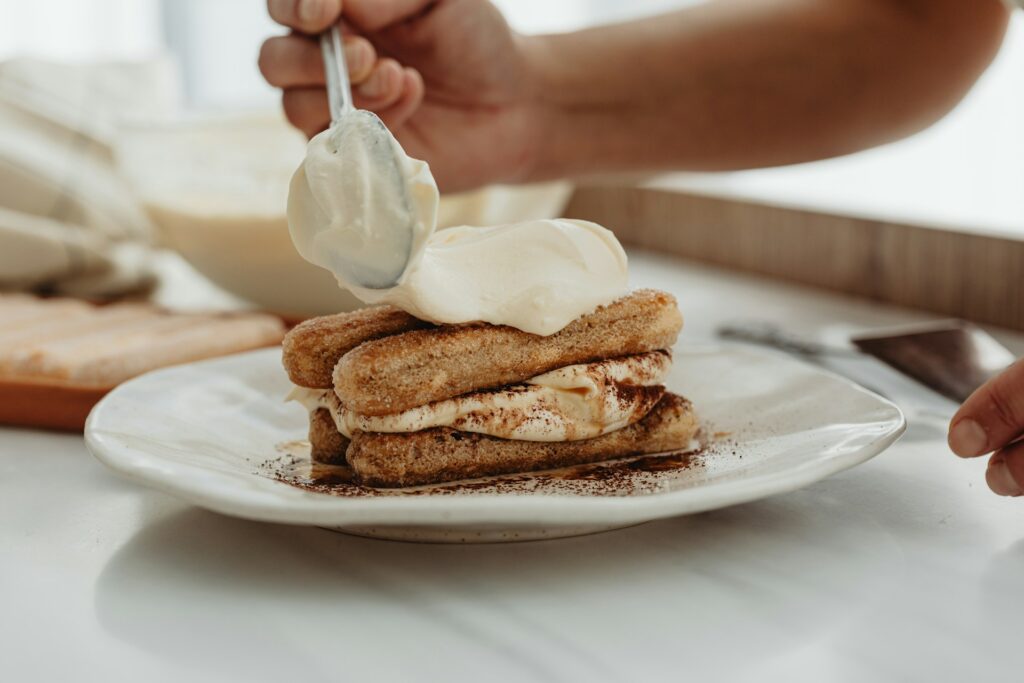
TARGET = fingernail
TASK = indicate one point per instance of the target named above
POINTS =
(355, 57)
(1000, 481)
(967, 438)
(310, 10)
(373, 86)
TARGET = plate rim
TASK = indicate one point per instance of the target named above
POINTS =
(482, 509)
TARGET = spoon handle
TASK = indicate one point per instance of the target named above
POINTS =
(339, 90)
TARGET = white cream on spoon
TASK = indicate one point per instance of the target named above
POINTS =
(362, 213)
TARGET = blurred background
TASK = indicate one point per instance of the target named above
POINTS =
(106, 99)
(215, 42)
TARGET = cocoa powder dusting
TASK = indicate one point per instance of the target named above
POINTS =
(628, 476)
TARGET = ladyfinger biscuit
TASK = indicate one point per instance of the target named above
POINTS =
(139, 353)
(443, 454)
(18, 312)
(328, 445)
(403, 371)
(108, 340)
(70, 325)
(312, 349)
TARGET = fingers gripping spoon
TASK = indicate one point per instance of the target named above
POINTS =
(361, 138)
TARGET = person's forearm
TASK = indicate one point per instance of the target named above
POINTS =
(749, 83)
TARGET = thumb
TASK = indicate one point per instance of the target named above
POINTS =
(992, 416)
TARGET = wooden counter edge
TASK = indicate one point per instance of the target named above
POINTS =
(972, 276)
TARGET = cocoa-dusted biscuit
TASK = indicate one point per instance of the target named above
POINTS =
(406, 370)
(327, 444)
(312, 349)
(442, 454)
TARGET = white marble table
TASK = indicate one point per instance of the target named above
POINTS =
(906, 568)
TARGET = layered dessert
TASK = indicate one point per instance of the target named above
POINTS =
(502, 349)
(406, 403)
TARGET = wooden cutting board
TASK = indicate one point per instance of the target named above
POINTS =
(47, 405)
(59, 357)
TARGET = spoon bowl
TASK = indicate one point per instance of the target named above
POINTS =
(378, 184)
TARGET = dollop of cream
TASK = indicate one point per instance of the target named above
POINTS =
(537, 276)
(568, 404)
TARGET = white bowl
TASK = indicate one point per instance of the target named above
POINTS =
(216, 189)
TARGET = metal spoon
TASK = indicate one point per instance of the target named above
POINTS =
(392, 239)
(928, 370)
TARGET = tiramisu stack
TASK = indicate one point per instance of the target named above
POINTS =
(407, 403)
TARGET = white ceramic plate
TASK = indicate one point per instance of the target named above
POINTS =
(215, 433)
